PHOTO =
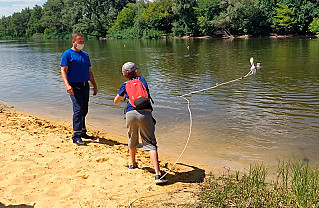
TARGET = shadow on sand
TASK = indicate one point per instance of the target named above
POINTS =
(102, 140)
(196, 175)
(16, 206)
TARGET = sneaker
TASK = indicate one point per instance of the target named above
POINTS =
(131, 167)
(159, 179)
(78, 141)
(85, 136)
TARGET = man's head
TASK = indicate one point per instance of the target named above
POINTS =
(129, 70)
(78, 41)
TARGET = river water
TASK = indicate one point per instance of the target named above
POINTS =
(271, 115)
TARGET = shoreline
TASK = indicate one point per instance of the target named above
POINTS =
(271, 36)
(41, 167)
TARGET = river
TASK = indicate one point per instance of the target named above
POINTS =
(271, 115)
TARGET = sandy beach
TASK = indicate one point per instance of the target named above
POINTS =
(41, 167)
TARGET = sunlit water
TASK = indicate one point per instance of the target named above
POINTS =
(271, 115)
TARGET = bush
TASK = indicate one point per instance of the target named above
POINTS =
(314, 26)
(50, 33)
(152, 33)
(37, 36)
(125, 33)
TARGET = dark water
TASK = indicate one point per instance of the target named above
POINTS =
(270, 115)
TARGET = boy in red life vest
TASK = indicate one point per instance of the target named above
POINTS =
(139, 118)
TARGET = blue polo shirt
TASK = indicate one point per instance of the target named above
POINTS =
(122, 92)
(78, 65)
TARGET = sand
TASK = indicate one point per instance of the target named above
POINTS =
(41, 167)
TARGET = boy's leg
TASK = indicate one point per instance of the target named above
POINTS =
(132, 151)
(154, 159)
(147, 131)
(132, 131)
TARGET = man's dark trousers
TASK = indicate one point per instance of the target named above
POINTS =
(80, 101)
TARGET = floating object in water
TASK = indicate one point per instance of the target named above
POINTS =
(124, 46)
(187, 47)
(252, 68)
(251, 60)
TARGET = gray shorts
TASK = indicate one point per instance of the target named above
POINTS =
(141, 122)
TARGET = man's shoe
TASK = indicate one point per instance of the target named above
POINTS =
(85, 136)
(159, 179)
(79, 142)
(131, 167)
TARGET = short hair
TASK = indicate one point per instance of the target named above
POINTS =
(76, 34)
(129, 75)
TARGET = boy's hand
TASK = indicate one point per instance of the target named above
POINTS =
(117, 98)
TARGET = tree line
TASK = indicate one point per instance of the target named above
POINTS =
(153, 19)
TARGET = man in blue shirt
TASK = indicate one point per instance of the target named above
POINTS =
(76, 72)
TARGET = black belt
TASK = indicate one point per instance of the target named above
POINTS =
(79, 83)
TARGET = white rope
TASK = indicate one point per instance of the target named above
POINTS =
(251, 72)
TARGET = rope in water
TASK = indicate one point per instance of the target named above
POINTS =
(251, 72)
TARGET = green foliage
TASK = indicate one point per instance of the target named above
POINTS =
(296, 185)
(129, 33)
(158, 16)
(18, 23)
(153, 33)
(184, 15)
(179, 29)
(304, 16)
(50, 33)
(314, 26)
(152, 19)
(52, 12)
(285, 18)
(206, 11)
(34, 24)
(5, 29)
(124, 20)
(102, 14)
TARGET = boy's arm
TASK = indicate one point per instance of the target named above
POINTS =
(118, 98)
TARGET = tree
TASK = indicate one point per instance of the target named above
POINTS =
(71, 14)
(19, 23)
(124, 20)
(102, 14)
(285, 20)
(158, 16)
(184, 17)
(34, 23)
(5, 30)
(52, 18)
(253, 18)
(304, 15)
(314, 26)
(206, 11)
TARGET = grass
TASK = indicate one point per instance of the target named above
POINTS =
(296, 185)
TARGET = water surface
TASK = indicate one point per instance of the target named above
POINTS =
(268, 116)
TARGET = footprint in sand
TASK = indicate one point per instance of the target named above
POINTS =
(58, 190)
